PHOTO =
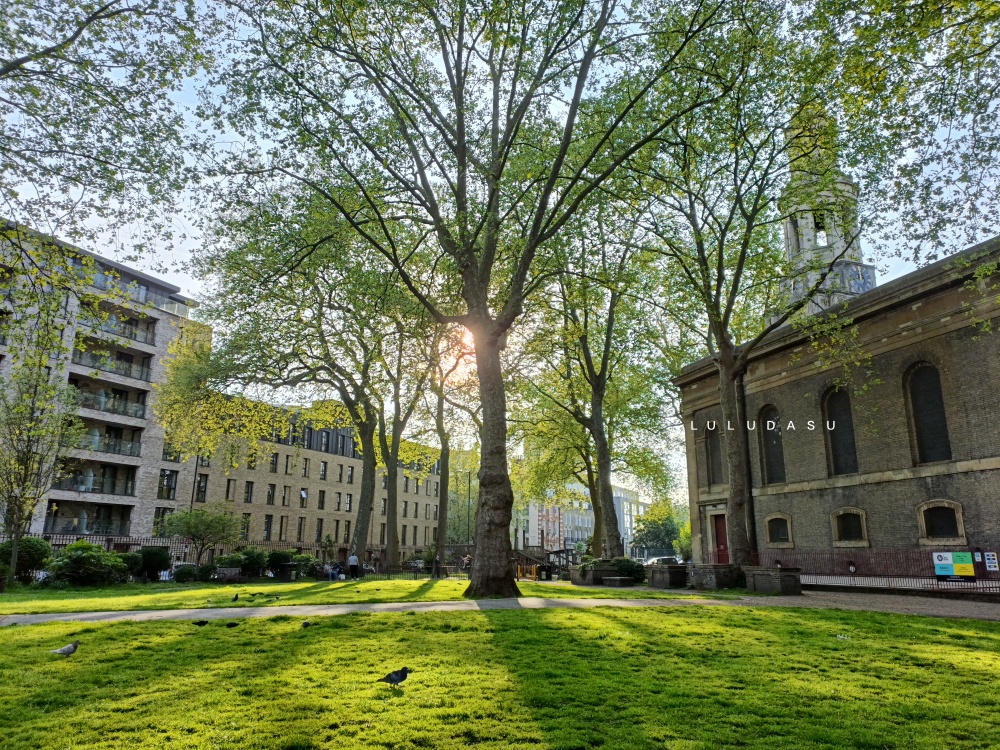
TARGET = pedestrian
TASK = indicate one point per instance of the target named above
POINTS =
(328, 569)
(352, 563)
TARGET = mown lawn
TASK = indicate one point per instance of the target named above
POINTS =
(696, 677)
(177, 596)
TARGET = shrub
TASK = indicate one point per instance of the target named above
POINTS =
(306, 565)
(133, 561)
(234, 560)
(625, 566)
(277, 558)
(86, 564)
(205, 572)
(186, 574)
(254, 561)
(32, 553)
(4, 576)
(154, 561)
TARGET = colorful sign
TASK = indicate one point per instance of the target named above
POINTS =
(954, 566)
(991, 561)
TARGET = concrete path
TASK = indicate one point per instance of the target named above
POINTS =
(912, 605)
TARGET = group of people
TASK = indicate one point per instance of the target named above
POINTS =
(336, 572)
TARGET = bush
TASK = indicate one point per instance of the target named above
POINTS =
(277, 558)
(154, 561)
(133, 561)
(186, 574)
(254, 561)
(86, 564)
(32, 554)
(4, 576)
(625, 566)
(235, 560)
(306, 565)
(205, 572)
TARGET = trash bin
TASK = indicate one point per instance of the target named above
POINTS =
(544, 572)
(287, 572)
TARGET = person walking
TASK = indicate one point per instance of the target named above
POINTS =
(352, 563)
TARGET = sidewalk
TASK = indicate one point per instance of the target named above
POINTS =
(909, 605)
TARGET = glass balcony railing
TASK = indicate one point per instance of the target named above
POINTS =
(125, 331)
(139, 293)
(80, 526)
(128, 369)
(131, 448)
(113, 405)
(82, 483)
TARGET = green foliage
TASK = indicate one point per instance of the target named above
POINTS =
(306, 565)
(154, 561)
(683, 543)
(276, 558)
(186, 574)
(215, 524)
(31, 556)
(254, 561)
(86, 564)
(233, 560)
(657, 528)
(626, 566)
(205, 572)
(133, 562)
(5, 576)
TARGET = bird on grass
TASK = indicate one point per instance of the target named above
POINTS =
(397, 677)
(67, 650)
(201, 623)
(236, 598)
(307, 624)
(231, 624)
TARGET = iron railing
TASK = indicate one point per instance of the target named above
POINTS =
(80, 483)
(126, 331)
(132, 448)
(128, 369)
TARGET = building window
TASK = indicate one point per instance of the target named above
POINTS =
(205, 461)
(347, 532)
(384, 501)
(427, 511)
(300, 532)
(381, 534)
(322, 468)
(427, 488)
(248, 492)
(347, 502)
(435, 513)
(425, 535)
(319, 525)
(406, 483)
(271, 490)
(160, 520)
(436, 491)
(341, 440)
(288, 464)
(169, 454)
(282, 528)
(321, 500)
(819, 223)
(713, 455)
(230, 489)
(403, 535)
(338, 501)
(252, 460)
(842, 455)
(434, 532)
(336, 530)
(273, 467)
(930, 427)
(268, 522)
(772, 454)
(941, 523)
(303, 497)
(285, 492)
(416, 486)
(324, 443)
(350, 475)
(779, 531)
(305, 468)
(849, 528)
(385, 481)
(167, 489)
(245, 527)
(201, 488)
(340, 473)
(406, 506)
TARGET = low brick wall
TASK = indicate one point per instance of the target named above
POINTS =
(773, 580)
(710, 576)
(667, 576)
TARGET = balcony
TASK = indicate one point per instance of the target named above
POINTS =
(78, 526)
(128, 369)
(126, 331)
(140, 294)
(81, 483)
(131, 448)
(112, 405)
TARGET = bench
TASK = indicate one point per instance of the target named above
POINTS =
(227, 575)
(619, 581)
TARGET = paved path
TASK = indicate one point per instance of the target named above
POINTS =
(912, 605)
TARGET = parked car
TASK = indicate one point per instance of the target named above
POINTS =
(668, 560)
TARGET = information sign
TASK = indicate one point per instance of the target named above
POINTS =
(991, 561)
(954, 566)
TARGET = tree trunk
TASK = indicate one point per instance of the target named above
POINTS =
(597, 536)
(492, 573)
(444, 470)
(15, 543)
(391, 504)
(738, 505)
(613, 546)
(359, 541)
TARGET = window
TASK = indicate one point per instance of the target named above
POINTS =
(385, 481)
(271, 491)
(321, 500)
(427, 488)
(819, 222)
(435, 513)
(169, 454)
(285, 492)
(350, 475)
(941, 523)
(406, 483)
(273, 468)
(167, 489)
(336, 530)
(319, 525)
(341, 442)
(436, 490)
(839, 428)
(779, 530)
(384, 501)
(204, 461)
(416, 486)
(402, 533)
(300, 532)
(303, 497)
(252, 460)
(340, 473)
(425, 534)
(849, 528)
(248, 492)
(930, 427)
(160, 520)
(201, 488)
(288, 464)
(434, 535)
(381, 534)
(322, 468)
(245, 527)
(405, 508)
(347, 503)
(427, 511)
(230, 489)
(324, 444)
(338, 501)
(772, 453)
(305, 468)
(347, 531)
(268, 522)
(713, 451)
(282, 528)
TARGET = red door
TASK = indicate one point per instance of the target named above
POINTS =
(721, 541)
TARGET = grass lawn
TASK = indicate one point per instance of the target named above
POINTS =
(178, 596)
(696, 677)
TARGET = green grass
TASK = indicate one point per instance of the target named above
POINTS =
(691, 678)
(178, 596)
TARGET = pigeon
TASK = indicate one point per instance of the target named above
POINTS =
(231, 624)
(67, 650)
(397, 677)
(236, 598)
(201, 623)
(307, 624)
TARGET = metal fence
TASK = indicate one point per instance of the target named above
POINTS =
(905, 569)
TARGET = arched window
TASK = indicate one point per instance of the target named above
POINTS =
(779, 530)
(941, 522)
(772, 454)
(849, 528)
(841, 450)
(930, 427)
(713, 449)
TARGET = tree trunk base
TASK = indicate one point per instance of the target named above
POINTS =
(503, 587)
